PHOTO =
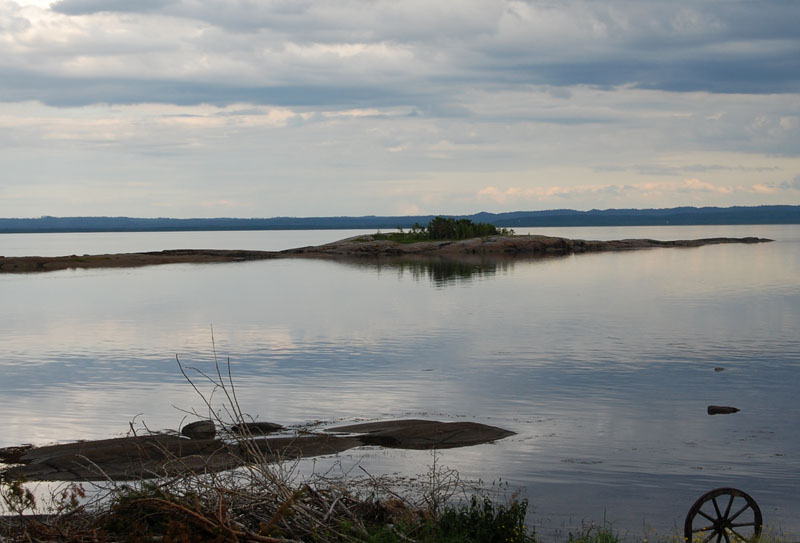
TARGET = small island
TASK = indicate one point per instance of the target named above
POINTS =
(443, 237)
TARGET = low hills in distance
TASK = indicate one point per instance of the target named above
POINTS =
(775, 214)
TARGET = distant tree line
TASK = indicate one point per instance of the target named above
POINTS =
(776, 214)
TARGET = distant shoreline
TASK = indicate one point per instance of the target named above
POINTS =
(678, 216)
(365, 246)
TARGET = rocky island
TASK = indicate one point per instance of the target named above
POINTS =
(496, 245)
(503, 245)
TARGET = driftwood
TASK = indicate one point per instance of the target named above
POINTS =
(161, 455)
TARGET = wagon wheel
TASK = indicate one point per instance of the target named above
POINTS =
(723, 513)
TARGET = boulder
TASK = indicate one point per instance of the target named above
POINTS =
(721, 410)
(202, 429)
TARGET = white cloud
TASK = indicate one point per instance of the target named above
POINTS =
(642, 192)
(322, 108)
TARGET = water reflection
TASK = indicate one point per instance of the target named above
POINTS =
(603, 363)
(439, 271)
(444, 271)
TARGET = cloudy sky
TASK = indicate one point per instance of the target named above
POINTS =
(210, 108)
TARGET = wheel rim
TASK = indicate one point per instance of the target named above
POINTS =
(724, 515)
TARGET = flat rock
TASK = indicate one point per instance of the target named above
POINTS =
(160, 455)
(423, 434)
(533, 245)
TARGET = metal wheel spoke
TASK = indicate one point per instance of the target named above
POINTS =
(716, 507)
(719, 537)
(730, 503)
(725, 533)
(740, 511)
(740, 524)
(709, 517)
(707, 528)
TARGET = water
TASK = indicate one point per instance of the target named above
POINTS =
(130, 242)
(603, 363)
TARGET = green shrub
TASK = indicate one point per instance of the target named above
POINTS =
(595, 534)
(444, 229)
(479, 521)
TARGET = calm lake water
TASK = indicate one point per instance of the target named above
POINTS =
(603, 364)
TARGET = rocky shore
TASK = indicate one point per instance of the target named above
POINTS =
(357, 247)
(31, 264)
(532, 245)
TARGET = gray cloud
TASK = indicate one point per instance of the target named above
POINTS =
(72, 92)
(794, 184)
(382, 106)
(85, 7)
(358, 51)
(694, 169)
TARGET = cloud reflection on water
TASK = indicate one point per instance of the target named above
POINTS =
(602, 363)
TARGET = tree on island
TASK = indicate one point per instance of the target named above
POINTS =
(446, 228)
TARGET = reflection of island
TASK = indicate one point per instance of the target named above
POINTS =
(443, 272)
(464, 251)
(439, 271)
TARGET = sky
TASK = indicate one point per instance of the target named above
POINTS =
(243, 108)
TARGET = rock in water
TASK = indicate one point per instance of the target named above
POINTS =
(721, 410)
(160, 455)
(202, 429)
(423, 434)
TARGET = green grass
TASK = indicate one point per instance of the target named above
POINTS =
(480, 520)
(595, 534)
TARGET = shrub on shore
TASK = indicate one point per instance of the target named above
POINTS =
(251, 507)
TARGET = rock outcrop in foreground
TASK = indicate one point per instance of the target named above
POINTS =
(159, 455)
(359, 246)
